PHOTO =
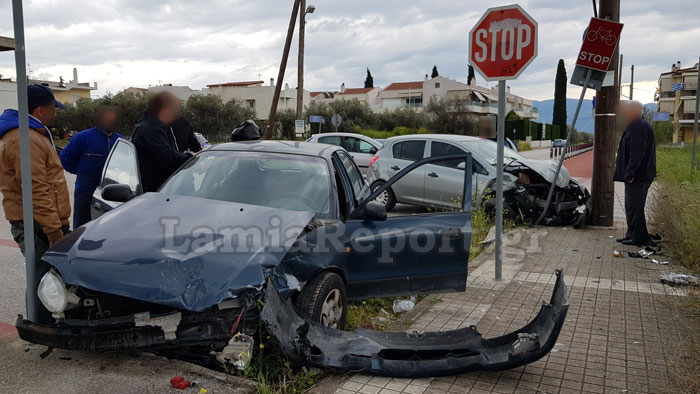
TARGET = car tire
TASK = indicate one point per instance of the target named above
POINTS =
(323, 300)
(389, 200)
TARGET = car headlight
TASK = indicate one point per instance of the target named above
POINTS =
(52, 292)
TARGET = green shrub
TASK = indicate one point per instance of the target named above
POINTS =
(524, 146)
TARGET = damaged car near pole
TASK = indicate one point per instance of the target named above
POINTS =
(437, 185)
(288, 226)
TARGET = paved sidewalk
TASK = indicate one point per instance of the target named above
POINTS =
(617, 336)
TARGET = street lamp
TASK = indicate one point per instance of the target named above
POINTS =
(303, 10)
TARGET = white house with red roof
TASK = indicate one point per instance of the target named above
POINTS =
(258, 96)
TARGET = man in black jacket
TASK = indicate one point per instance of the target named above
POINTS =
(636, 166)
(155, 146)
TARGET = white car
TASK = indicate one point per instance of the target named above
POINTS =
(360, 147)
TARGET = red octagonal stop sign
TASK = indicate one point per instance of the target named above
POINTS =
(503, 42)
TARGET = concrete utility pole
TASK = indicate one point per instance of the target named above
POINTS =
(283, 67)
(618, 79)
(602, 186)
(632, 82)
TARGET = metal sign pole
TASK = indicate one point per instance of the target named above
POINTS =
(500, 140)
(25, 161)
(695, 125)
(566, 145)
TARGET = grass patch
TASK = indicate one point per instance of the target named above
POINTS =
(380, 134)
(61, 142)
(677, 203)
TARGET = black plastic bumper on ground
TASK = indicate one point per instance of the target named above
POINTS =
(401, 354)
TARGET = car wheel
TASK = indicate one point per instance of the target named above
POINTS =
(323, 300)
(387, 197)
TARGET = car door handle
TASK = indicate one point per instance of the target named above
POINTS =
(395, 168)
(433, 175)
(450, 232)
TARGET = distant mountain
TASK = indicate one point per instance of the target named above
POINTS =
(584, 122)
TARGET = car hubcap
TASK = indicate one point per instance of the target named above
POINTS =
(332, 309)
(383, 197)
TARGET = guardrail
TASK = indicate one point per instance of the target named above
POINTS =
(570, 152)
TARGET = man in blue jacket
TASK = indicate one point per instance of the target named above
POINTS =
(636, 167)
(85, 155)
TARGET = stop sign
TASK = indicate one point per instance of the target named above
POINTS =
(503, 42)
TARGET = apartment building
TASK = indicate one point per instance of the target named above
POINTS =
(676, 95)
(257, 96)
(69, 92)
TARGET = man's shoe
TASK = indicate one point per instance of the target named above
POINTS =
(629, 241)
(623, 239)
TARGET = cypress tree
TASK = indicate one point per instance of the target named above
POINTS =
(559, 110)
(369, 81)
(434, 73)
(470, 75)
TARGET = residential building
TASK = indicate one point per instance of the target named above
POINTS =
(8, 94)
(402, 95)
(257, 96)
(365, 95)
(676, 95)
(70, 92)
(325, 97)
(181, 92)
(136, 91)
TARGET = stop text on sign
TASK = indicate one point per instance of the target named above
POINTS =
(510, 35)
(503, 42)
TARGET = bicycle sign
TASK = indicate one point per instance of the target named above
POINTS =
(599, 44)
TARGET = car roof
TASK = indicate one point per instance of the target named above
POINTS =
(339, 134)
(286, 147)
(445, 137)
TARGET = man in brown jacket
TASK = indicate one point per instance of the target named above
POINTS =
(51, 201)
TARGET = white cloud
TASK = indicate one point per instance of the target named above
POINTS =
(139, 43)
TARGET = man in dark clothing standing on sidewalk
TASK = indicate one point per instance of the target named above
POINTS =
(85, 155)
(636, 166)
(155, 146)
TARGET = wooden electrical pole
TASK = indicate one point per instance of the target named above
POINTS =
(602, 186)
(283, 67)
(300, 61)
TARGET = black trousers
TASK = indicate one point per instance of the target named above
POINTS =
(635, 201)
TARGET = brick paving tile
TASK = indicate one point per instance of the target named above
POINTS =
(617, 336)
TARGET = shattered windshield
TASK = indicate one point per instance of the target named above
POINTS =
(486, 149)
(293, 182)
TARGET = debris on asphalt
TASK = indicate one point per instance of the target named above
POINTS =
(220, 378)
(642, 253)
(655, 261)
(401, 306)
(617, 253)
(382, 319)
(179, 382)
(237, 353)
(673, 279)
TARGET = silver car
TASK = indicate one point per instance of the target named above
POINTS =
(525, 181)
(361, 148)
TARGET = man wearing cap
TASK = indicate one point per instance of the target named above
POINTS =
(85, 155)
(50, 197)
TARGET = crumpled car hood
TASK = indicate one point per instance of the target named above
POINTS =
(547, 168)
(198, 263)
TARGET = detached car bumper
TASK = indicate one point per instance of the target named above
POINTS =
(400, 354)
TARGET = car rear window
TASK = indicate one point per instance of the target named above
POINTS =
(409, 150)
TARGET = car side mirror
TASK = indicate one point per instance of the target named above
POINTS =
(372, 211)
(118, 192)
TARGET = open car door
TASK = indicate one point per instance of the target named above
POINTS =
(121, 168)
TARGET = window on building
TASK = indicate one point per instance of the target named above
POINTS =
(250, 104)
(437, 85)
(414, 102)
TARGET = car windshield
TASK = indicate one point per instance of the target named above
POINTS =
(486, 149)
(293, 182)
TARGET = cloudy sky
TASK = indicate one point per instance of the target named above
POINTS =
(122, 43)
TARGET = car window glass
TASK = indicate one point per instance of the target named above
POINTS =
(356, 145)
(331, 140)
(293, 182)
(409, 150)
(353, 173)
(121, 167)
(443, 149)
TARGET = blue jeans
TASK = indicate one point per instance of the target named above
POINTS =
(82, 201)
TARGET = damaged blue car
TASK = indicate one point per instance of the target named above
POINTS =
(275, 231)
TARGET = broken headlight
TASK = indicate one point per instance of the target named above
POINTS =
(52, 292)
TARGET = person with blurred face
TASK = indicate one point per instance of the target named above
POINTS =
(636, 167)
(85, 155)
(156, 149)
(50, 198)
